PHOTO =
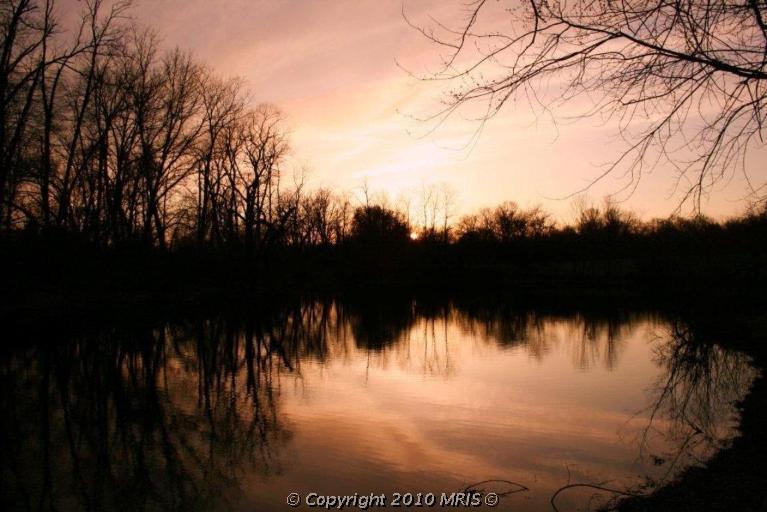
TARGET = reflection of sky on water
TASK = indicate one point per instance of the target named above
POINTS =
(339, 399)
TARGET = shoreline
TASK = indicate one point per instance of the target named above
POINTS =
(730, 480)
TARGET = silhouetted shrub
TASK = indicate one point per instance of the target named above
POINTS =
(378, 225)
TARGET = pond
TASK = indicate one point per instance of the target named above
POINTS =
(333, 398)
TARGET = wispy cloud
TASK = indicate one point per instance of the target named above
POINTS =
(331, 66)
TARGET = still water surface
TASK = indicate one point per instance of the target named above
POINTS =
(235, 414)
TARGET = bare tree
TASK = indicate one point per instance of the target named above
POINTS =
(27, 30)
(103, 40)
(447, 200)
(684, 82)
(428, 204)
(265, 146)
(217, 164)
(103, 135)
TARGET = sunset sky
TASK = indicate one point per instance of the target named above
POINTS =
(331, 67)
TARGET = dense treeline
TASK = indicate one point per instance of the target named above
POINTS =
(103, 135)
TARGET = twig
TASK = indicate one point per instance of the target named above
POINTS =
(592, 486)
(521, 488)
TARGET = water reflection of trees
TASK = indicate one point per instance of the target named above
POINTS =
(377, 324)
(693, 409)
(416, 333)
(144, 419)
(173, 416)
(592, 337)
(399, 328)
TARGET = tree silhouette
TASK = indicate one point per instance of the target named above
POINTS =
(379, 225)
(685, 82)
